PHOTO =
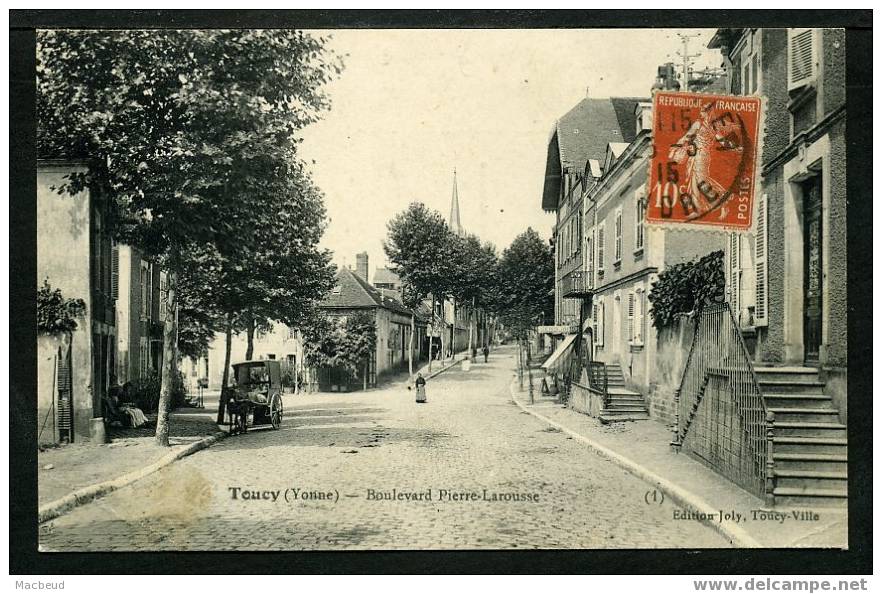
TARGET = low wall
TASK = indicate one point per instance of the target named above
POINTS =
(585, 400)
(836, 386)
(671, 353)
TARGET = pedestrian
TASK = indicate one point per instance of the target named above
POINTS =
(474, 353)
(420, 388)
(486, 352)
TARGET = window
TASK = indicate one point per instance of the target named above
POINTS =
(760, 259)
(143, 357)
(734, 270)
(114, 270)
(639, 315)
(163, 296)
(601, 247)
(640, 204)
(618, 235)
(145, 290)
(801, 58)
(589, 251)
(630, 317)
(599, 322)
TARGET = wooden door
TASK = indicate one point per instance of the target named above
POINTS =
(813, 265)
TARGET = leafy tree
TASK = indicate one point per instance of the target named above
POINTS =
(55, 313)
(525, 283)
(683, 288)
(418, 246)
(187, 134)
(334, 342)
(472, 276)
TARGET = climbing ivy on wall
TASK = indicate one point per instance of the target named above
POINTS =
(683, 287)
(55, 313)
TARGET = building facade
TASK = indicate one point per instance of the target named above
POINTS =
(623, 258)
(788, 280)
(76, 255)
(140, 312)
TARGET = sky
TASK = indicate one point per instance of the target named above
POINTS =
(412, 105)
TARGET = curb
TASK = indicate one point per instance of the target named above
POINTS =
(82, 496)
(686, 499)
(443, 369)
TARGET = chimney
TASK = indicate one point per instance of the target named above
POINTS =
(587, 91)
(361, 265)
(666, 80)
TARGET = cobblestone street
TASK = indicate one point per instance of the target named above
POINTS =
(469, 437)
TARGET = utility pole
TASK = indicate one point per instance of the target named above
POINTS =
(687, 57)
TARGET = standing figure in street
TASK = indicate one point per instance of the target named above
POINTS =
(420, 388)
(486, 352)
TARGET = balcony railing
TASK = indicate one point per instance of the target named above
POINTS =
(575, 285)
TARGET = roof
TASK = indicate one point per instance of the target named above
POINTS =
(385, 275)
(356, 293)
(582, 134)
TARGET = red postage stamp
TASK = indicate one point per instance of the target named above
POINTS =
(704, 159)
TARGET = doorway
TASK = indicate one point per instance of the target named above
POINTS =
(813, 267)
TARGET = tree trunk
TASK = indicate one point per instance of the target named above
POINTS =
(410, 345)
(365, 376)
(228, 348)
(520, 364)
(442, 335)
(453, 333)
(471, 315)
(431, 329)
(168, 358)
(249, 351)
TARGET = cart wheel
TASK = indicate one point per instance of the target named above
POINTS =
(276, 414)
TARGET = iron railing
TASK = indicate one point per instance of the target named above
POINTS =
(598, 380)
(721, 416)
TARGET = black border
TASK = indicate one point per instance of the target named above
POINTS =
(24, 558)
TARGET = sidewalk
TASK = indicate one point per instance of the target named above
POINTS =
(70, 468)
(642, 448)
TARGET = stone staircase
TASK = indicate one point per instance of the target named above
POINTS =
(810, 444)
(624, 404)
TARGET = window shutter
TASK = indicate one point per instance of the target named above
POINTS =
(589, 250)
(618, 235)
(114, 271)
(734, 275)
(601, 245)
(638, 317)
(760, 259)
(600, 324)
(800, 58)
(631, 335)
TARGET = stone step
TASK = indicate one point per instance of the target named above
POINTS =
(621, 417)
(810, 445)
(624, 409)
(790, 387)
(803, 429)
(811, 479)
(786, 373)
(810, 497)
(810, 415)
(627, 401)
(798, 400)
(808, 461)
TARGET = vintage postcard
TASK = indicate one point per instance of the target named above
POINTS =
(441, 289)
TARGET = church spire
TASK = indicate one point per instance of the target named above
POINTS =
(454, 222)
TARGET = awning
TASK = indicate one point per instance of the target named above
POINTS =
(558, 356)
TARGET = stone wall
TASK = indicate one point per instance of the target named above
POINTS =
(672, 351)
